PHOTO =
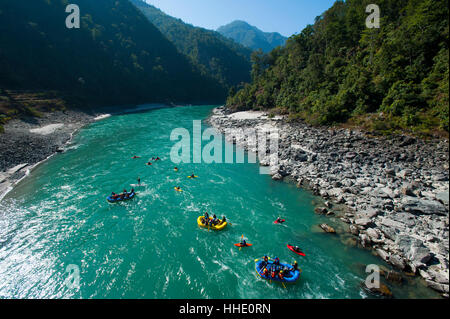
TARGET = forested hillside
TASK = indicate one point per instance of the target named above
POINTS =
(337, 70)
(215, 55)
(252, 37)
(116, 57)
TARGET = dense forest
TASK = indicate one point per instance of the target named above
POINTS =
(116, 57)
(339, 71)
(252, 37)
(212, 53)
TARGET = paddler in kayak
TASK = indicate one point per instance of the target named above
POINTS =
(296, 248)
(192, 176)
(279, 220)
(177, 188)
(134, 157)
(148, 163)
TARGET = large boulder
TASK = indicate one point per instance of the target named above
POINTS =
(414, 250)
(363, 222)
(423, 206)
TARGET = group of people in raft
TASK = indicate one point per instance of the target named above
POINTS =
(275, 269)
(122, 196)
(269, 270)
(214, 221)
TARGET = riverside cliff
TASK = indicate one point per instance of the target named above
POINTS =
(395, 190)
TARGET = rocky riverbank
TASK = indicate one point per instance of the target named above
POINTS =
(395, 190)
(29, 141)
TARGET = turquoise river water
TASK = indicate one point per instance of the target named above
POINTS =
(60, 238)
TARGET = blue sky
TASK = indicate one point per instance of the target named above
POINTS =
(284, 16)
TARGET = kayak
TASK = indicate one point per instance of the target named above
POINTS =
(240, 245)
(178, 190)
(277, 222)
(290, 277)
(111, 200)
(192, 177)
(217, 227)
(291, 248)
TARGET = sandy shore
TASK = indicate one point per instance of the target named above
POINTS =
(28, 142)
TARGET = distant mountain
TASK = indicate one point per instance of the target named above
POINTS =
(116, 57)
(215, 55)
(252, 37)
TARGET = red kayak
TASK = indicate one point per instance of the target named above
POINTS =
(241, 245)
(279, 222)
(291, 248)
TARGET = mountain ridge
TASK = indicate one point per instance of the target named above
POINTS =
(215, 55)
(252, 37)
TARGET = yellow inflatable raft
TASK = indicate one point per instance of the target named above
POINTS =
(220, 226)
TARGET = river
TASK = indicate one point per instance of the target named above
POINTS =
(60, 238)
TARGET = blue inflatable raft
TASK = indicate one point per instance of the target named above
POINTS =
(289, 276)
(111, 200)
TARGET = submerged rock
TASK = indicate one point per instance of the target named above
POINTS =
(327, 228)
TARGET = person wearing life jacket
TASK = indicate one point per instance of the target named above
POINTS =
(157, 159)
(131, 192)
(265, 260)
(276, 261)
(274, 273)
(206, 218)
(224, 220)
(296, 248)
(265, 272)
(215, 220)
(114, 195)
(294, 266)
(149, 163)
(281, 275)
